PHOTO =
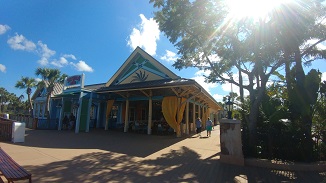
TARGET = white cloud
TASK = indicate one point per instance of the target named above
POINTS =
(45, 53)
(69, 56)
(82, 66)
(60, 63)
(38, 79)
(169, 56)
(323, 76)
(43, 61)
(218, 97)
(19, 42)
(4, 29)
(145, 36)
(2, 68)
(199, 78)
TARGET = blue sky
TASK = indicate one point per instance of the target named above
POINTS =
(91, 37)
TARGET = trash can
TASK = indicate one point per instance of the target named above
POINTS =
(18, 132)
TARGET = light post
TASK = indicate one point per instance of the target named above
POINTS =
(229, 107)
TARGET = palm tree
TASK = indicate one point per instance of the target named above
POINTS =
(27, 83)
(49, 78)
(3, 98)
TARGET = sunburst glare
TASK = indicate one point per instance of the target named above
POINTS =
(255, 9)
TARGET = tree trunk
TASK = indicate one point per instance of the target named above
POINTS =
(30, 104)
(256, 98)
(306, 115)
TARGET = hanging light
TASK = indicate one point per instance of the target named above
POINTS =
(229, 107)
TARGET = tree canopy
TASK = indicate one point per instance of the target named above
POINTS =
(245, 51)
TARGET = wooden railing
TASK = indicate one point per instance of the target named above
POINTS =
(27, 119)
(5, 129)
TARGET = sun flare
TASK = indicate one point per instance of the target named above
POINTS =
(252, 8)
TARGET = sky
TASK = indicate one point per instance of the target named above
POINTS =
(90, 37)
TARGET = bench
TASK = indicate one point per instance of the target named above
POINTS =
(11, 170)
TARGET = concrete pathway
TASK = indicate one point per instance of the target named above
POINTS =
(111, 156)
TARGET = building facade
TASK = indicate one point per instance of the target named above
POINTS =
(143, 95)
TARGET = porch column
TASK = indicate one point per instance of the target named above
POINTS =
(98, 115)
(127, 116)
(199, 112)
(88, 114)
(150, 110)
(79, 112)
(187, 118)
(60, 115)
(193, 116)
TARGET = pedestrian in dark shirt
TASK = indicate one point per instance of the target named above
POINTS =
(198, 126)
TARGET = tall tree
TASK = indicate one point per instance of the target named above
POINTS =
(208, 39)
(27, 83)
(49, 78)
(300, 28)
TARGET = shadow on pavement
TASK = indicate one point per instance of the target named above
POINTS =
(183, 165)
(114, 141)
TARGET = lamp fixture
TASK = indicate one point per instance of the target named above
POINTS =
(229, 107)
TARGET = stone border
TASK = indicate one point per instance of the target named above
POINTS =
(279, 165)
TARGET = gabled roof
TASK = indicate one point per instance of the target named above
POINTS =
(140, 67)
(41, 91)
(87, 88)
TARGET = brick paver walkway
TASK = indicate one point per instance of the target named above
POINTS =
(110, 156)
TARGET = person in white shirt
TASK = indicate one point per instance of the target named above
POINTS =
(209, 126)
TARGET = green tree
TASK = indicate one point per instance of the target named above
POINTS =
(49, 78)
(5, 98)
(207, 39)
(299, 31)
(27, 83)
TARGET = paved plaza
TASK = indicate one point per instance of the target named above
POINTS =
(114, 156)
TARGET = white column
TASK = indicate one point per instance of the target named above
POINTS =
(126, 116)
(79, 112)
(88, 114)
(150, 110)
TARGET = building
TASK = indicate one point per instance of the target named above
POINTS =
(143, 95)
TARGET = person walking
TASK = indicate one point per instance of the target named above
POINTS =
(198, 126)
(72, 121)
(209, 126)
